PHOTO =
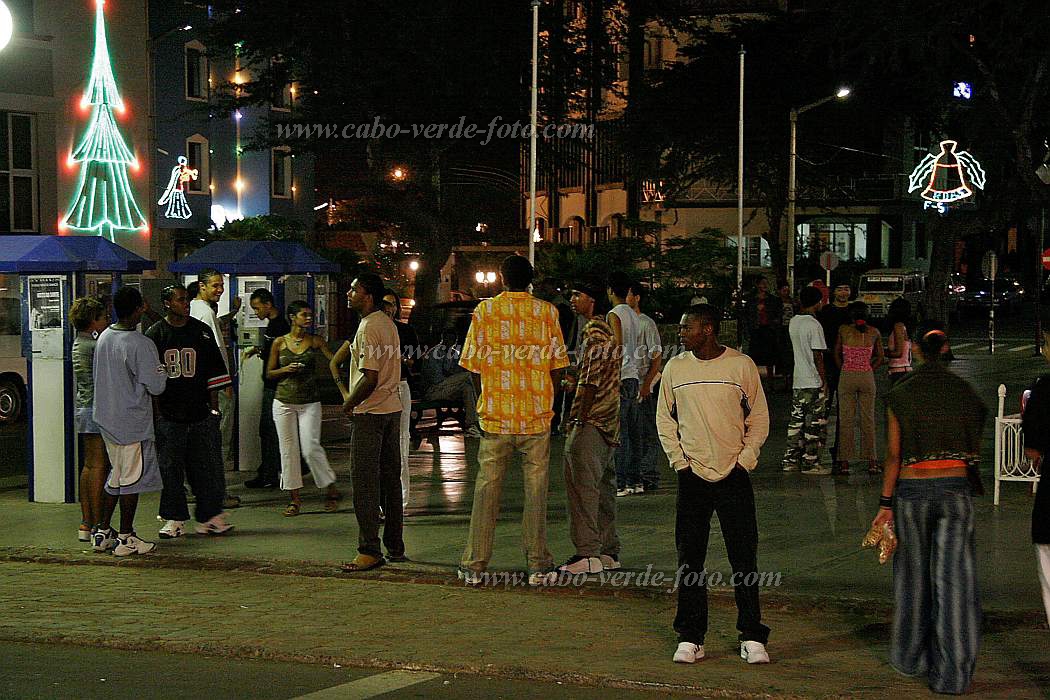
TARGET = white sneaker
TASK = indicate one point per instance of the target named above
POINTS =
(542, 578)
(688, 653)
(469, 577)
(638, 489)
(582, 565)
(608, 563)
(172, 529)
(104, 540)
(217, 525)
(130, 544)
(754, 652)
(625, 491)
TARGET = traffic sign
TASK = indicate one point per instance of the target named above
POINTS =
(1046, 259)
(829, 261)
(989, 265)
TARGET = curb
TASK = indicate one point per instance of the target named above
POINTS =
(445, 575)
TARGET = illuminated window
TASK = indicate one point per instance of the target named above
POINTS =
(281, 180)
(19, 209)
(197, 159)
(196, 71)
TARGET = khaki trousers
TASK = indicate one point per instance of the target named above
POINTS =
(856, 401)
(494, 456)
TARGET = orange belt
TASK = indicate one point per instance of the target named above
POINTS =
(939, 464)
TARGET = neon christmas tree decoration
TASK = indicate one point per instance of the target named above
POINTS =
(104, 203)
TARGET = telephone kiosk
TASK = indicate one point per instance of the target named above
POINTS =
(290, 271)
(53, 270)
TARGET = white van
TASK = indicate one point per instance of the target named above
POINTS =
(13, 372)
(879, 289)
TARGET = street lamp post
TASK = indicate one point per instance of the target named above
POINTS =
(792, 157)
(532, 131)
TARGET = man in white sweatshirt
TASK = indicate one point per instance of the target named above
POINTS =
(712, 419)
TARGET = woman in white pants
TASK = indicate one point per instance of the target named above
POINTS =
(297, 408)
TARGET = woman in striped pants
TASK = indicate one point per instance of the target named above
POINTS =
(934, 422)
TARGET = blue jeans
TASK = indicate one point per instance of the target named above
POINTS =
(628, 465)
(650, 440)
(937, 618)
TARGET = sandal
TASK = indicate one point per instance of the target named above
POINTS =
(363, 562)
(331, 502)
(292, 510)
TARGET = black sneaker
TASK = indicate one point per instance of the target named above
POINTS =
(260, 483)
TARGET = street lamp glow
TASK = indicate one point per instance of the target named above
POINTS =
(398, 174)
(843, 92)
(413, 266)
(490, 277)
(480, 277)
(7, 25)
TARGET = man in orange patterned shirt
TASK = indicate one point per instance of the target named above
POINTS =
(515, 344)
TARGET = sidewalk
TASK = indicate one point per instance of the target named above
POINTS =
(272, 588)
(525, 634)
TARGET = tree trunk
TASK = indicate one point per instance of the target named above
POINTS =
(944, 234)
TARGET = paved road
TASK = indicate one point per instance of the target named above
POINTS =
(59, 671)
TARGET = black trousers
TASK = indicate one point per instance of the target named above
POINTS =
(270, 463)
(733, 500)
(190, 452)
(375, 448)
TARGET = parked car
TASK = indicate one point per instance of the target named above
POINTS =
(879, 288)
(1007, 295)
(429, 321)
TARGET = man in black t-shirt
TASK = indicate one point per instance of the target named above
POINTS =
(832, 317)
(189, 444)
(262, 304)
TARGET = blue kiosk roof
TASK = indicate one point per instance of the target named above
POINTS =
(254, 258)
(41, 254)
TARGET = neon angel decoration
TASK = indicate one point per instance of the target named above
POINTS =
(175, 193)
(946, 177)
(104, 202)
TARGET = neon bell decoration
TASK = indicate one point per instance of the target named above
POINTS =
(946, 177)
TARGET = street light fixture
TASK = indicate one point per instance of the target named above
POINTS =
(7, 26)
(841, 94)
(398, 174)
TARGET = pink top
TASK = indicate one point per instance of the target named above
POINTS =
(902, 363)
(856, 359)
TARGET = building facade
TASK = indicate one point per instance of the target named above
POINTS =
(585, 198)
(222, 179)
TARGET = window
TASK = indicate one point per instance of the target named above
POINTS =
(19, 210)
(653, 57)
(281, 93)
(196, 71)
(197, 158)
(756, 252)
(281, 182)
(599, 234)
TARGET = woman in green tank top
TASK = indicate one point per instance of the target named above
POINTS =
(297, 408)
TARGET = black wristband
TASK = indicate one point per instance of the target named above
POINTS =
(886, 502)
